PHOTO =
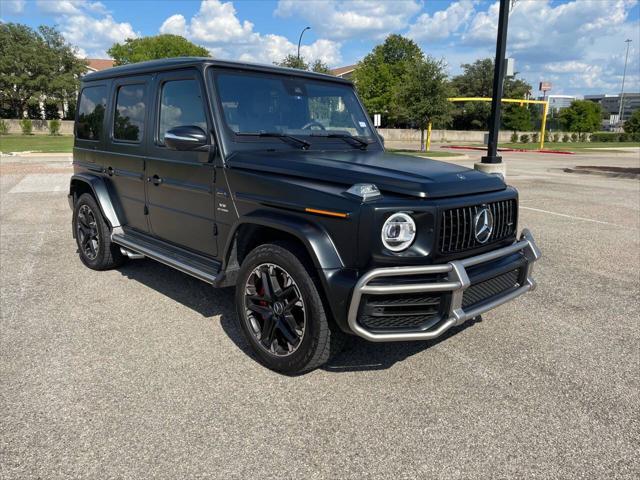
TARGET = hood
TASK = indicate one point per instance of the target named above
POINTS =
(397, 173)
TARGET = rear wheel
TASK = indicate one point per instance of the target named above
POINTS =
(93, 236)
(281, 312)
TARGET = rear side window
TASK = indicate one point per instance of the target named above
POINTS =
(93, 101)
(128, 120)
(181, 104)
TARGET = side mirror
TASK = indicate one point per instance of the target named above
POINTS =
(186, 137)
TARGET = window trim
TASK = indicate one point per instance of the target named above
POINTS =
(117, 87)
(77, 119)
(158, 110)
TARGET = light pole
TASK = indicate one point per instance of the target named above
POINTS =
(624, 74)
(498, 83)
(300, 39)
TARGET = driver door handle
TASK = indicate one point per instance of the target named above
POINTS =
(156, 180)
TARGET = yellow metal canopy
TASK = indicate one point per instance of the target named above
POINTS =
(521, 101)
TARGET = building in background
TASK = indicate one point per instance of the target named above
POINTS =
(344, 72)
(610, 105)
(558, 102)
(98, 64)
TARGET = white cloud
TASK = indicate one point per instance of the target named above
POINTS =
(579, 42)
(362, 19)
(217, 27)
(175, 24)
(442, 23)
(87, 25)
(13, 7)
(96, 35)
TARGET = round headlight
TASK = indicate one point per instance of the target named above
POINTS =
(398, 232)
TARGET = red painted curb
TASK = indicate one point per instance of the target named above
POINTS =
(518, 150)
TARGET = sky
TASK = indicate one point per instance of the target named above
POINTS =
(578, 45)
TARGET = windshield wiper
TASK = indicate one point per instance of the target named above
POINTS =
(303, 143)
(361, 144)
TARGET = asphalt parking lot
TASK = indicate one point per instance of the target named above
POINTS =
(142, 372)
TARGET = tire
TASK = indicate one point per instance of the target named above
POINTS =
(93, 236)
(301, 313)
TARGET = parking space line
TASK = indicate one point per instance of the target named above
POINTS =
(574, 217)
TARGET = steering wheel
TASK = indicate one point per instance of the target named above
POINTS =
(313, 123)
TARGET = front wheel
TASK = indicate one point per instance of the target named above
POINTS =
(281, 312)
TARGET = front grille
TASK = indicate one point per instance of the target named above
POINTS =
(400, 311)
(456, 227)
(482, 291)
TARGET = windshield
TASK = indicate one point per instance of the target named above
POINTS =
(255, 103)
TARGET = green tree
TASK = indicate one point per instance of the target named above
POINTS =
(34, 64)
(293, 61)
(135, 50)
(516, 118)
(320, 67)
(378, 75)
(421, 96)
(633, 124)
(582, 116)
(476, 80)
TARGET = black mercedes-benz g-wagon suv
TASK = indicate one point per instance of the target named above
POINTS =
(274, 181)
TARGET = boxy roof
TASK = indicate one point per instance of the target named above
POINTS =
(183, 62)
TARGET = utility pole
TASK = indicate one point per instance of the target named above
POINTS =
(624, 74)
(498, 84)
(300, 39)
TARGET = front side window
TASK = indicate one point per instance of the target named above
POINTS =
(181, 104)
(128, 120)
(263, 103)
(93, 101)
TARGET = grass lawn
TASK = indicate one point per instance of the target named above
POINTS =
(570, 147)
(430, 154)
(36, 143)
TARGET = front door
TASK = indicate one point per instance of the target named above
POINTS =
(180, 184)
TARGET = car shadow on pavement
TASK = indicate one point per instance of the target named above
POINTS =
(358, 354)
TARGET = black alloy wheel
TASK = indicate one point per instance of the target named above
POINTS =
(281, 309)
(87, 232)
(275, 311)
(93, 235)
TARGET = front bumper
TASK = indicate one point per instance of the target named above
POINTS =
(456, 282)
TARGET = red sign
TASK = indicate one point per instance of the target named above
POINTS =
(545, 86)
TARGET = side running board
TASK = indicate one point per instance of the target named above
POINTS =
(192, 264)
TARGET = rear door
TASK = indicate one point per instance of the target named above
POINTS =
(127, 147)
(180, 183)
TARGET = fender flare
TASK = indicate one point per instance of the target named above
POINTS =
(316, 239)
(101, 193)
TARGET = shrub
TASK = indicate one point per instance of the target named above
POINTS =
(33, 110)
(514, 137)
(27, 126)
(547, 136)
(584, 137)
(556, 137)
(566, 138)
(574, 137)
(4, 128)
(70, 114)
(54, 127)
(8, 112)
(51, 111)
(535, 137)
(524, 138)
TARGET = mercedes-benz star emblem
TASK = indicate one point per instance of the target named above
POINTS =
(483, 224)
